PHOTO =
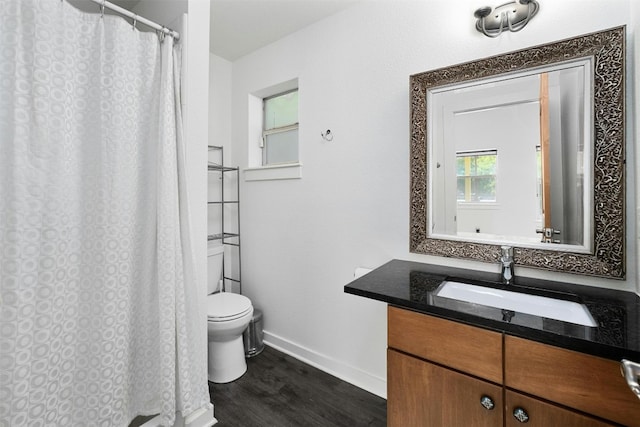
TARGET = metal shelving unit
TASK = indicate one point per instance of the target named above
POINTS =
(227, 238)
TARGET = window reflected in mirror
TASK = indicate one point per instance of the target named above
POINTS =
(476, 175)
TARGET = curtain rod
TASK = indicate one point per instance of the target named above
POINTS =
(137, 18)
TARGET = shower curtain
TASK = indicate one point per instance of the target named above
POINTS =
(95, 264)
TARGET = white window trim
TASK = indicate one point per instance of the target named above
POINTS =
(273, 172)
(255, 170)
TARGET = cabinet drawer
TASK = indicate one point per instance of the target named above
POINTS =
(466, 348)
(587, 383)
(543, 414)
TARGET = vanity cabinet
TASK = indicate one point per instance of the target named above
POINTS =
(441, 372)
(418, 394)
(580, 381)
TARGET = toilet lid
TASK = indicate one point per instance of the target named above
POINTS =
(224, 305)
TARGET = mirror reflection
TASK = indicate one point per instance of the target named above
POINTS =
(510, 158)
(538, 166)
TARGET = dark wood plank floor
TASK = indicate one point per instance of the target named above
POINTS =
(280, 391)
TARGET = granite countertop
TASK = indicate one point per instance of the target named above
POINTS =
(412, 285)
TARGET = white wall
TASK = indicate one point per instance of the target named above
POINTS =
(196, 133)
(220, 102)
(462, 121)
(220, 135)
(633, 97)
(517, 123)
(303, 238)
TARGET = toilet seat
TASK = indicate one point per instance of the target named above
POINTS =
(226, 306)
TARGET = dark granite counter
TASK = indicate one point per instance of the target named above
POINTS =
(412, 285)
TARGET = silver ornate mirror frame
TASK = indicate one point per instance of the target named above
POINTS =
(607, 48)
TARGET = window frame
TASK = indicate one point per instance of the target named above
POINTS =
(279, 130)
(470, 178)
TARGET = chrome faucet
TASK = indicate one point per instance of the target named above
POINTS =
(506, 261)
(631, 372)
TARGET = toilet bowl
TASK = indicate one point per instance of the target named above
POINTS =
(228, 315)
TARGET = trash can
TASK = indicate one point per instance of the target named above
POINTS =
(253, 336)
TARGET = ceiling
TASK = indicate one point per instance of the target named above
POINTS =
(239, 27)
(88, 6)
(127, 4)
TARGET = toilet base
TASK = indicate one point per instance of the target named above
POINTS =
(226, 360)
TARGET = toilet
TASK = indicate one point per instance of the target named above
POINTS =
(228, 315)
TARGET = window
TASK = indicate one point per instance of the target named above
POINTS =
(476, 173)
(280, 129)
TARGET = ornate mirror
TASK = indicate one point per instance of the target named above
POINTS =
(524, 149)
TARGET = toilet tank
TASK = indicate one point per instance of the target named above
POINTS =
(215, 258)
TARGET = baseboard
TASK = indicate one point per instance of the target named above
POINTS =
(202, 417)
(364, 380)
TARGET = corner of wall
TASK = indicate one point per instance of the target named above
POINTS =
(196, 112)
(633, 127)
(195, 92)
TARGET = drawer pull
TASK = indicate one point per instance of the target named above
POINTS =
(520, 415)
(631, 372)
(487, 402)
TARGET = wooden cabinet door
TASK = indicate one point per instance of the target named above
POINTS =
(421, 394)
(541, 414)
(586, 383)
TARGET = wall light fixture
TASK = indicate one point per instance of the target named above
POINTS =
(513, 16)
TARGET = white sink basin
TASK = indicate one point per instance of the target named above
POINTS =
(551, 308)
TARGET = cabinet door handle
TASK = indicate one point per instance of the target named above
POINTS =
(487, 402)
(520, 415)
(631, 372)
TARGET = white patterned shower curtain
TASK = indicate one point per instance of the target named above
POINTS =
(95, 264)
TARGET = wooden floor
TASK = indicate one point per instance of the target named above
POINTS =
(280, 391)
